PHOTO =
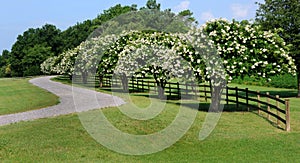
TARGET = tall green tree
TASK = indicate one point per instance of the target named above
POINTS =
(151, 4)
(35, 56)
(4, 62)
(188, 15)
(48, 36)
(111, 13)
(74, 35)
(4, 57)
(283, 16)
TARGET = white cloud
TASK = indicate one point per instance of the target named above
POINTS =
(240, 11)
(206, 16)
(184, 5)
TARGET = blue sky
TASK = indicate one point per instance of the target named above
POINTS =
(18, 15)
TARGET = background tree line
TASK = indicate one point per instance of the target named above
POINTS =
(36, 45)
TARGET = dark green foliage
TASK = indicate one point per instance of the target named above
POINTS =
(74, 35)
(187, 15)
(4, 65)
(46, 36)
(36, 45)
(283, 15)
(152, 5)
(34, 58)
(111, 13)
(280, 81)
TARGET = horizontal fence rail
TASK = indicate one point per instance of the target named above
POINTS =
(275, 109)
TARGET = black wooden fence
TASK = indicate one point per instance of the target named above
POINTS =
(274, 108)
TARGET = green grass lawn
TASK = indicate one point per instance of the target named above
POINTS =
(18, 95)
(238, 137)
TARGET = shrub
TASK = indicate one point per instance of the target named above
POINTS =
(280, 81)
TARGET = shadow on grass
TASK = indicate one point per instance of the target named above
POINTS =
(273, 123)
(283, 94)
(200, 106)
(204, 107)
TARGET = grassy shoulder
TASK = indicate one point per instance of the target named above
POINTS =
(238, 137)
(18, 95)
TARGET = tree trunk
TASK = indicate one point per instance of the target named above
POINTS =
(161, 89)
(124, 83)
(161, 93)
(84, 77)
(216, 99)
(100, 81)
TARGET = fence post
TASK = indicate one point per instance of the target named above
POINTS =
(178, 90)
(192, 86)
(247, 99)
(258, 103)
(148, 83)
(237, 97)
(287, 115)
(186, 89)
(142, 85)
(278, 107)
(109, 81)
(268, 102)
(205, 94)
(227, 102)
(196, 97)
(132, 83)
(137, 85)
(170, 93)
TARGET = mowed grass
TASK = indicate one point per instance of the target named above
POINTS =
(18, 95)
(238, 137)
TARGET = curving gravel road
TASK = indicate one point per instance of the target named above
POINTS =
(72, 100)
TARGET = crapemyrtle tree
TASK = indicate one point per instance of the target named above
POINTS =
(248, 50)
(283, 17)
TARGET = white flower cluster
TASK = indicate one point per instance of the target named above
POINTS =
(157, 60)
(248, 50)
(46, 66)
(238, 47)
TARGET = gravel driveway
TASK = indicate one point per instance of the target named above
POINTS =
(72, 100)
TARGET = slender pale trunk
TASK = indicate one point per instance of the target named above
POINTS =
(124, 82)
(216, 97)
(161, 89)
(84, 77)
(100, 81)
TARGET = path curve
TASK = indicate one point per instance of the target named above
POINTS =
(85, 101)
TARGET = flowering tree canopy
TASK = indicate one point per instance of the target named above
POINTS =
(132, 50)
(244, 49)
(48, 65)
(248, 50)
(62, 64)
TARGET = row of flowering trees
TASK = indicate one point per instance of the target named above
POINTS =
(217, 51)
